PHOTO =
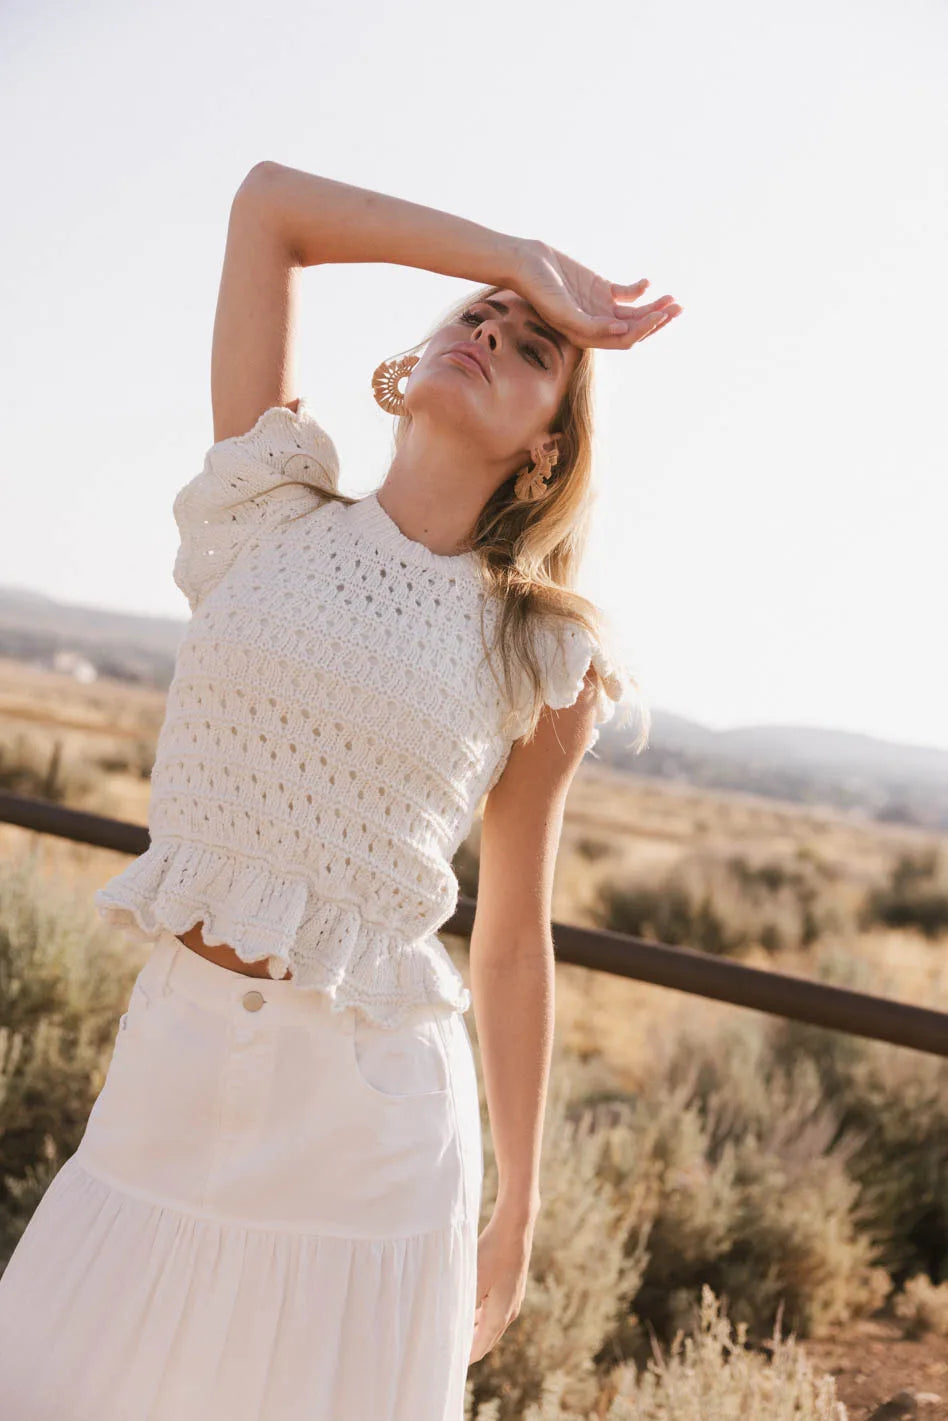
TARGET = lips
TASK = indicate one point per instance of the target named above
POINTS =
(468, 352)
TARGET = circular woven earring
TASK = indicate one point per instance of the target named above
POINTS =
(532, 482)
(385, 383)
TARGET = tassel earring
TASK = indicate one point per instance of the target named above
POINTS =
(532, 482)
(385, 383)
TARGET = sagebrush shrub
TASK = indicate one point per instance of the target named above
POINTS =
(755, 1196)
(922, 1307)
(589, 1251)
(62, 985)
(895, 1101)
(708, 1374)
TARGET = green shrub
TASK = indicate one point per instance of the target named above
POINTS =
(896, 1102)
(722, 905)
(29, 769)
(756, 1198)
(61, 993)
(669, 914)
(915, 896)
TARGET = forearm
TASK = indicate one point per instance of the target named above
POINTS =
(514, 1009)
(322, 220)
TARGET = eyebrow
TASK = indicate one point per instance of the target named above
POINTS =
(552, 336)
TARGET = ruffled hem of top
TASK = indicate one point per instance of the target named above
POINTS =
(261, 913)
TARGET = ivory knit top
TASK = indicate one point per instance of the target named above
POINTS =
(330, 728)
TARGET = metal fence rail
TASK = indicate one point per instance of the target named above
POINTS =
(682, 968)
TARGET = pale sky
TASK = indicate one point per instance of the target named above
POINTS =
(772, 510)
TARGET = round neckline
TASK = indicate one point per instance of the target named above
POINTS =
(387, 534)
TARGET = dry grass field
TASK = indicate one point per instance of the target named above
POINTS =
(688, 1142)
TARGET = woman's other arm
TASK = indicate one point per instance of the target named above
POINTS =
(320, 220)
(512, 984)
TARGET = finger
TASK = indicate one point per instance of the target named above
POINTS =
(627, 293)
(660, 305)
(491, 1326)
(622, 335)
(641, 324)
(583, 329)
(658, 317)
(484, 1344)
(480, 1345)
(601, 327)
(656, 327)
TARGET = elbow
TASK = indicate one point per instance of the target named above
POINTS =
(259, 175)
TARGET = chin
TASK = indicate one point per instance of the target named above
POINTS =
(441, 397)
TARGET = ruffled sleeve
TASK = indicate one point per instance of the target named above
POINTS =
(566, 650)
(571, 650)
(248, 485)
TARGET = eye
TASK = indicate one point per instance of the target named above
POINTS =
(471, 318)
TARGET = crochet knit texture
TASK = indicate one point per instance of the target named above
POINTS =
(331, 727)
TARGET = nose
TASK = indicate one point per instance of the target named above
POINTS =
(488, 330)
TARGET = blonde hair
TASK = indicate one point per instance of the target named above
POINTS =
(529, 553)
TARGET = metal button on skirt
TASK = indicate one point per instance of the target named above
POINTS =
(272, 1215)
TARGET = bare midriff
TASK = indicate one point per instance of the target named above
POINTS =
(225, 956)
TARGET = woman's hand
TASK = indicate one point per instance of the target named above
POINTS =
(589, 310)
(503, 1259)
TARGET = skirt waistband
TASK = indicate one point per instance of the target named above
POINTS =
(173, 968)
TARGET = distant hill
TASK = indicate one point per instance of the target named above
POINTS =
(128, 646)
(879, 779)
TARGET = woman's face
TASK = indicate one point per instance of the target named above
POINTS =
(505, 393)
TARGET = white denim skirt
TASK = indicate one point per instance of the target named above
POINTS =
(272, 1215)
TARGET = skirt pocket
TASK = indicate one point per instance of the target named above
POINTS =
(405, 1062)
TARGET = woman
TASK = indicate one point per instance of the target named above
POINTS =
(273, 1212)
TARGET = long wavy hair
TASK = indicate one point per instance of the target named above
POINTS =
(529, 555)
(530, 552)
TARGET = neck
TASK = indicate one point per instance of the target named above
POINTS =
(435, 487)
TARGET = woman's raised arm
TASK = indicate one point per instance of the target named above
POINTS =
(282, 219)
(253, 353)
(322, 220)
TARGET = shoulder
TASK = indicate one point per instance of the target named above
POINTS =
(250, 483)
(283, 442)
